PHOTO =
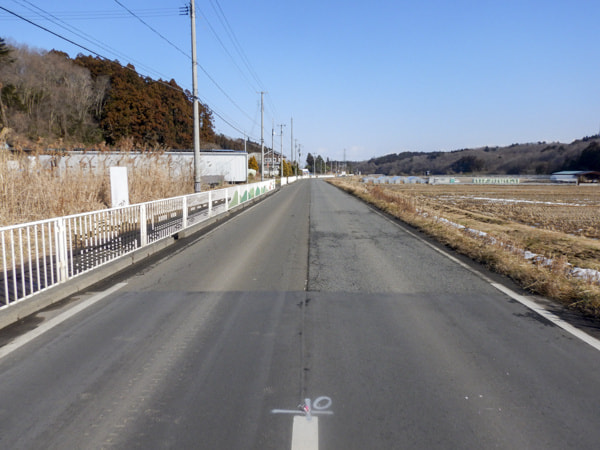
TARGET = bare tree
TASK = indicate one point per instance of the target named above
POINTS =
(51, 96)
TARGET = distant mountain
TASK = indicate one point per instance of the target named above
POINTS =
(518, 159)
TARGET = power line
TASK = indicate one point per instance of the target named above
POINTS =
(187, 56)
(52, 32)
(151, 28)
(85, 48)
(236, 44)
(213, 110)
(110, 14)
(227, 51)
(50, 17)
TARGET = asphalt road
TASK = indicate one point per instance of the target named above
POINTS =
(307, 295)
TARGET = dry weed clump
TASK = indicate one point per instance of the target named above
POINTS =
(501, 247)
(28, 192)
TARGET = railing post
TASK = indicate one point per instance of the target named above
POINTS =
(61, 250)
(184, 214)
(209, 203)
(143, 225)
(226, 199)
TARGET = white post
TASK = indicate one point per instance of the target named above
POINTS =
(184, 214)
(143, 225)
(61, 250)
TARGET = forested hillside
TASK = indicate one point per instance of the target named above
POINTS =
(49, 98)
(518, 159)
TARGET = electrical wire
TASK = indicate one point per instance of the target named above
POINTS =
(153, 29)
(187, 56)
(236, 44)
(220, 115)
(220, 41)
(109, 14)
(52, 18)
(240, 51)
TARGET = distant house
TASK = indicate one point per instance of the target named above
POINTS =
(575, 176)
(272, 161)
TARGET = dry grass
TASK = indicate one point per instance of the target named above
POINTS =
(29, 192)
(559, 223)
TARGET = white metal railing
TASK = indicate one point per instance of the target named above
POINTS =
(38, 255)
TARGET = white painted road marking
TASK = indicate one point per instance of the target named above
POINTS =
(550, 316)
(574, 331)
(305, 430)
(305, 433)
(22, 340)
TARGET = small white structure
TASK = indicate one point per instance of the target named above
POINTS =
(443, 180)
(229, 165)
(119, 187)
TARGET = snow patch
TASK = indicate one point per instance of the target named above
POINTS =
(590, 275)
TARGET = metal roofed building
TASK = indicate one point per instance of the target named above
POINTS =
(575, 176)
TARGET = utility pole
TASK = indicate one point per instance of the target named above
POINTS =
(272, 145)
(281, 141)
(296, 162)
(262, 136)
(197, 171)
(292, 141)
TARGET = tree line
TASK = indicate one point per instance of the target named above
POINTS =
(539, 158)
(88, 101)
(318, 165)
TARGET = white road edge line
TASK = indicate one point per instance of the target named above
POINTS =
(579, 334)
(28, 337)
(305, 433)
(553, 318)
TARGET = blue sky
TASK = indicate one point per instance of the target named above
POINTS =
(368, 78)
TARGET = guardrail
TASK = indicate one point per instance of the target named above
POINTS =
(39, 255)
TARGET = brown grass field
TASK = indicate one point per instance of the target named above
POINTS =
(29, 193)
(558, 223)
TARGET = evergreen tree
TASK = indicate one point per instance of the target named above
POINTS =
(5, 52)
(5, 58)
(310, 163)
